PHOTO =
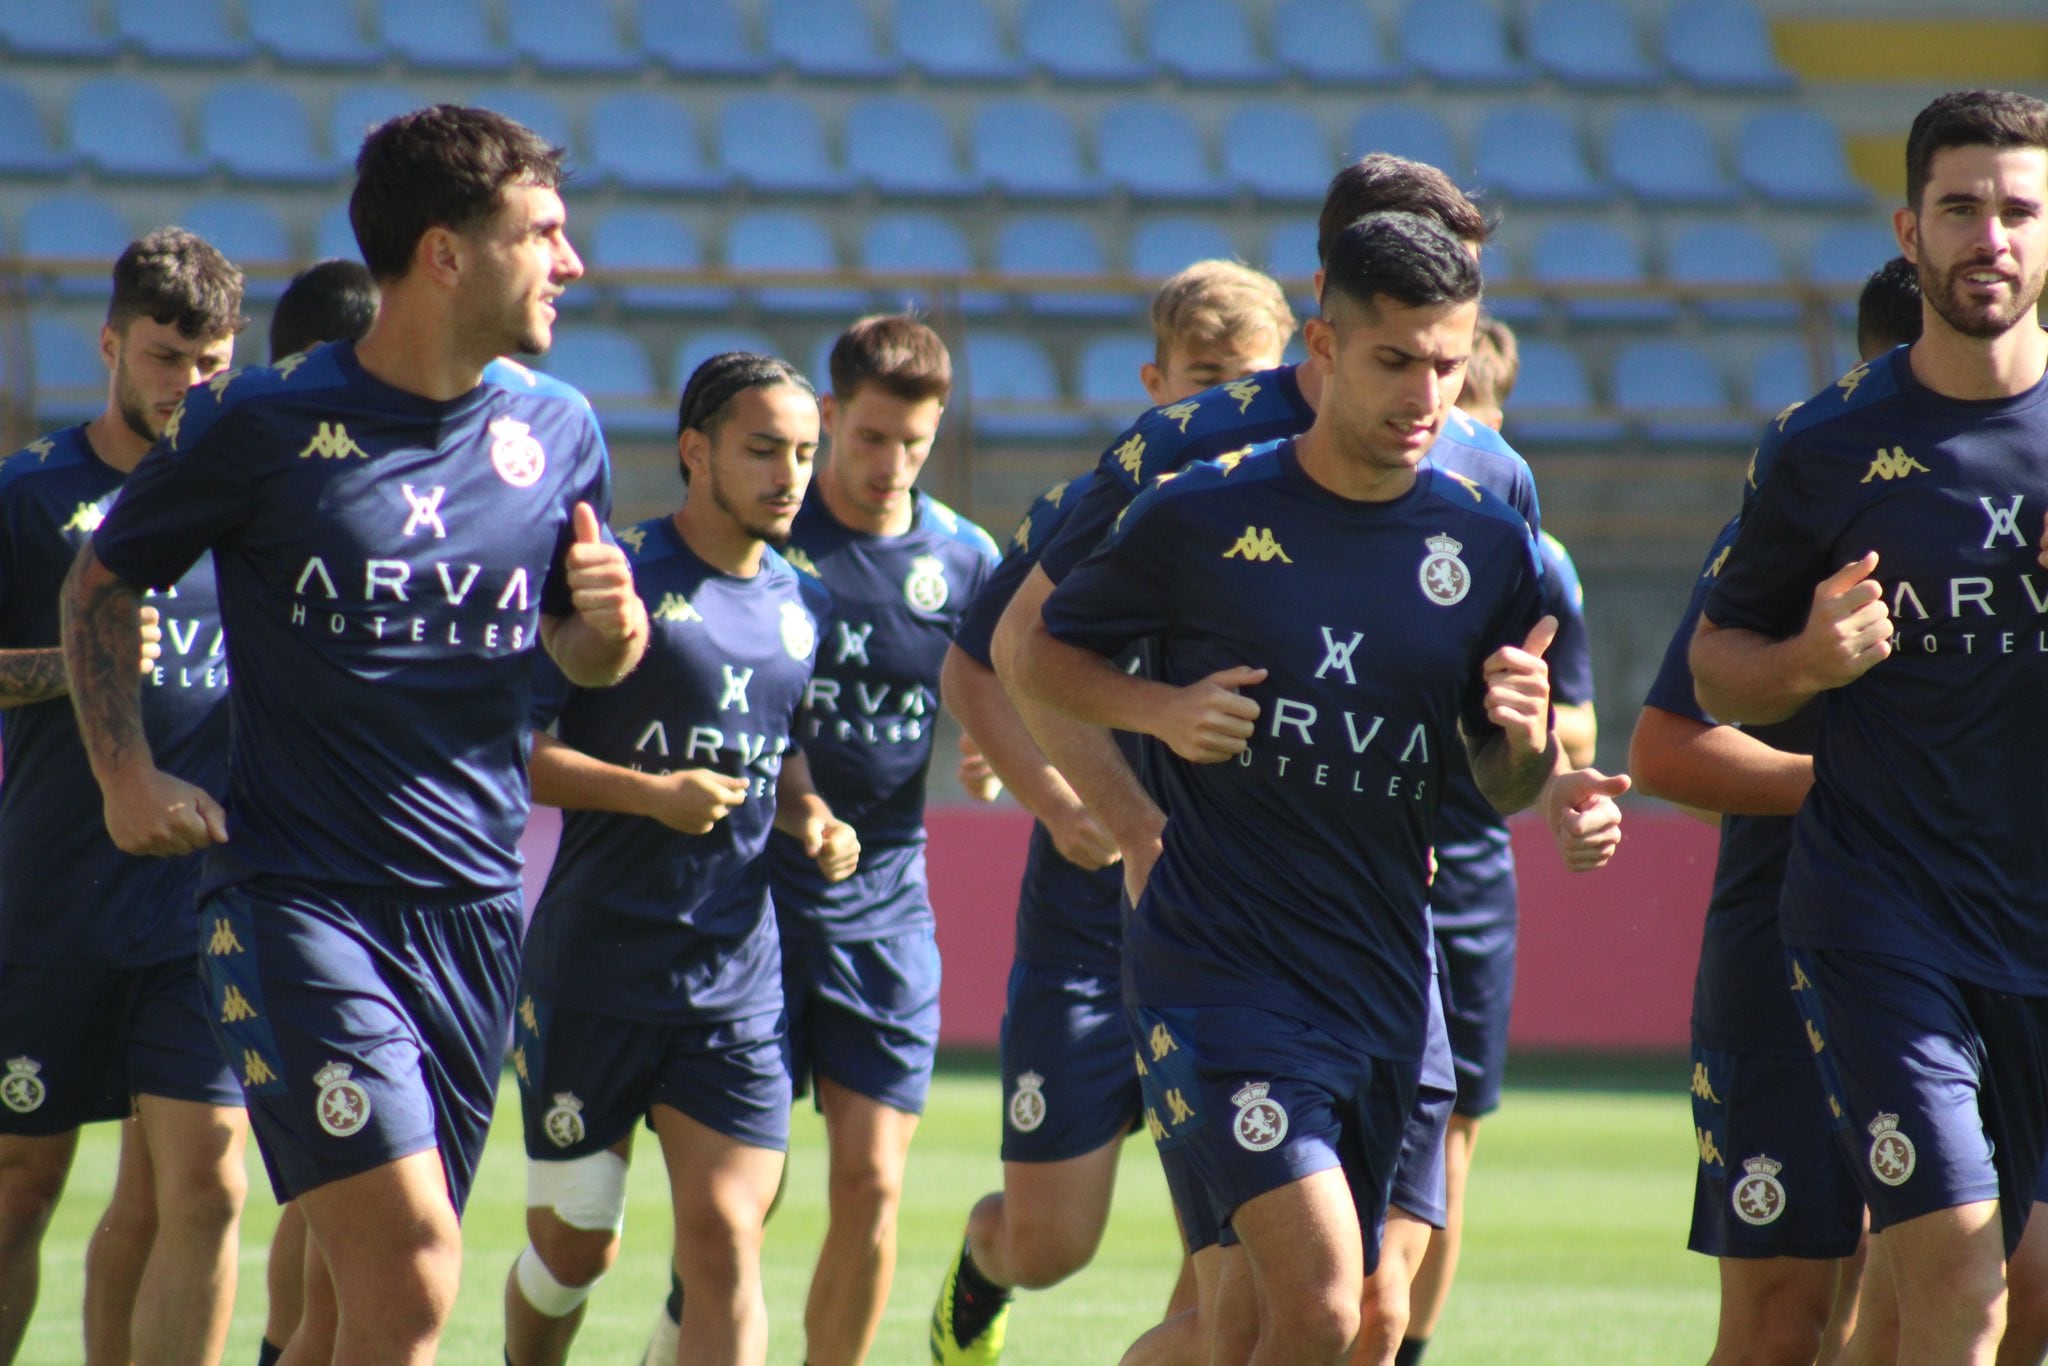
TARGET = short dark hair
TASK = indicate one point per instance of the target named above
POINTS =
(335, 300)
(707, 397)
(897, 354)
(1405, 257)
(444, 166)
(1888, 310)
(1384, 183)
(1970, 118)
(177, 278)
(1495, 365)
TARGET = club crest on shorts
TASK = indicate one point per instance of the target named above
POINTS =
(515, 453)
(1759, 1198)
(925, 588)
(21, 1090)
(1445, 579)
(1892, 1155)
(1261, 1120)
(799, 632)
(343, 1107)
(1027, 1103)
(564, 1123)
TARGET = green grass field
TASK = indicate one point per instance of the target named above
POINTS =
(1575, 1250)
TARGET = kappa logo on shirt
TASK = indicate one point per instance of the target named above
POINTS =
(86, 518)
(1244, 391)
(1850, 382)
(1257, 543)
(799, 559)
(1720, 563)
(285, 367)
(1180, 413)
(331, 442)
(1892, 464)
(1131, 455)
(676, 607)
(634, 538)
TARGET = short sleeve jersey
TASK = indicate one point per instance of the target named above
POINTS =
(1921, 837)
(868, 718)
(640, 920)
(67, 895)
(383, 562)
(1292, 879)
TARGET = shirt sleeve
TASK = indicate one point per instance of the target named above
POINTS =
(193, 490)
(1102, 498)
(595, 489)
(1782, 551)
(1672, 689)
(1570, 655)
(1125, 591)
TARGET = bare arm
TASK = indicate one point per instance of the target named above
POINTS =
(602, 640)
(1512, 762)
(1716, 768)
(31, 676)
(1747, 677)
(1578, 731)
(804, 816)
(691, 800)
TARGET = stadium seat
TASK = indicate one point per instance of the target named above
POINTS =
(642, 140)
(1206, 42)
(652, 239)
(954, 40)
(332, 236)
(701, 38)
(1552, 403)
(1413, 131)
(1027, 149)
(258, 131)
(1591, 251)
(1588, 44)
(1277, 152)
(1666, 157)
(1013, 393)
(126, 126)
(1110, 386)
(360, 108)
(66, 32)
(1151, 150)
(613, 372)
(786, 240)
(534, 108)
(1533, 153)
(1848, 253)
(831, 39)
(699, 347)
(571, 36)
(1050, 244)
(1722, 45)
(25, 146)
(918, 243)
(1794, 156)
(1731, 254)
(75, 227)
(777, 143)
(69, 379)
(1333, 42)
(1519, 310)
(180, 31)
(1291, 251)
(311, 33)
(251, 236)
(1460, 42)
(1782, 374)
(448, 35)
(900, 146)
(1676, 395)
(1167, 246)
(1080, 41)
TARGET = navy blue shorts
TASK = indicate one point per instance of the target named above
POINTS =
(363, 1031)
(81, 1043)
(1420, 1173)
(1069, 1083)
(1772, 1180)
(586, 1078)
(865, 1014)
(1476, 978)
(1253, 1101)
(1942, 1085)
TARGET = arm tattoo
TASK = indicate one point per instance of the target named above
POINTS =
(102, 641)
(31, 676)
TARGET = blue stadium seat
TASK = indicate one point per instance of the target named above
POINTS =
(699, 347)
(1206, 42)
(1794, 156)
(534, 108)
(833, 39)
(1848, 253)
(70, 379)
(1722, 45)
(914, 243)
(1413, 131)
(642, 140)
(1167, 246)
(1277, 152)
(575, 36)
(180, 31)
(954, 40)
(613, 372)
(311, 33)
(1461, 42)
(1552, 403)
(900, 146)
(1151, 150)
(1291, 251)
(1666, 157)
(1677, 395)
(80, 227)
(1782, 374)
(652, 239)
(1533, 153)
(448, 35)
(1591, 251)
(1110, 385)
(333, 236)
(1589, 44)
(25, 146)
(1051, 244)
(1333, 42)
(67, 32)
(125, 126)
(251, 236)
(1731, 254)
(781, 239)
(777, 143)
(701, 38)
(1519, 310)
(1013, 393)
(360, 108)
(1027, 148)
(258, 131)
(1082, 41)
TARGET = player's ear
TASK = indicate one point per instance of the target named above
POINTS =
(1320, 336)
(442, 253)
(1154, 380)
(110, 346)
(693, 453)
(1906, 227)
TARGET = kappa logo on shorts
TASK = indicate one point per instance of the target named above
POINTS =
(1027, 1103)
(564, 1123)
(1892, 1154)
(1445, 579)
(22, 1091)
(343, 1106)
(1261, 1121)
(1759, 1198)
(516, 453)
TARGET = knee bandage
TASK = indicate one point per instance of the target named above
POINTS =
(587, 1193)
(542, 1290)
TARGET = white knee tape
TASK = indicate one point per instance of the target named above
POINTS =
(585, 1192)
(542, 1290)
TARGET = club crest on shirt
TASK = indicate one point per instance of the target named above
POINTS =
(1759, 1197)
(343, 1106)
(515, 453)
(1261, 1120)
(1892, 1154)
(799, 632)
(1445, 579)
(925, 588)
(22, 1091)
(564, 1122)
(1027, 1103)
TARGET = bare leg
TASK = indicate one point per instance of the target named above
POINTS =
(2026, 1278)
(870, 1143)
(1307, 1260)
(1848, 1293)
(574, 1257)
(284, 1276)
(1948, 1271)
(1047, 1221)
(118, 1251)
(721, 1189)
(1383, 1308)
(1773, 1310)
(1440, 1266)
(187, 1296)
(394, 1247)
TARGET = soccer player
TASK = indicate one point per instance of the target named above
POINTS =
(393, 538)
(1071, 1091)
(652, 990)
(1889, 567)
(1278, 961)
(101, 1013)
